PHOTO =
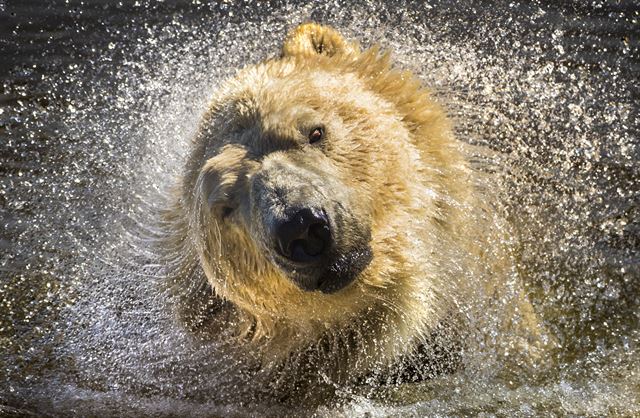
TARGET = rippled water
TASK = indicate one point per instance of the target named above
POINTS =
(98, 103)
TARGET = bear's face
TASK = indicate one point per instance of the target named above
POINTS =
(295, 193)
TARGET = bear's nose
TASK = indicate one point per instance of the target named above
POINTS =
(305, 236)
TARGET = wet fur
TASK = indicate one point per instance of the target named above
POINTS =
(430, 234)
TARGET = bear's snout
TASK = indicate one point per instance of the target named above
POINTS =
(304, 237)
(305, 242)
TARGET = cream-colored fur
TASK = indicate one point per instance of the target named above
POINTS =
(390, 159)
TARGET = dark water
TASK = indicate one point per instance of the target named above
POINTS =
(100, 98)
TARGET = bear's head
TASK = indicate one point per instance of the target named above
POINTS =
(314, 191)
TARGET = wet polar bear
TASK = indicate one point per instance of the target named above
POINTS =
(327, 228)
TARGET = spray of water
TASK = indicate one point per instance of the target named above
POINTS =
(546, 96)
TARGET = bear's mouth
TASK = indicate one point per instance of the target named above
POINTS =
(331, 274)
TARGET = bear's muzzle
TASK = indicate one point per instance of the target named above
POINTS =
(304, 237)
(307, 254)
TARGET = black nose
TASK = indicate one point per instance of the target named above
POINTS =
(305, 236)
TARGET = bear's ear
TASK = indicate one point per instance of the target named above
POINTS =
(313, 39)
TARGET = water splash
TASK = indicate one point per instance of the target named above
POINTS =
(91, 142)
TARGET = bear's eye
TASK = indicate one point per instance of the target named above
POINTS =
(316, 135)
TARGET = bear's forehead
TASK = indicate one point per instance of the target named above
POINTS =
(294, 95)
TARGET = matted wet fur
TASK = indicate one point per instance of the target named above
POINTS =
(415, 252)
